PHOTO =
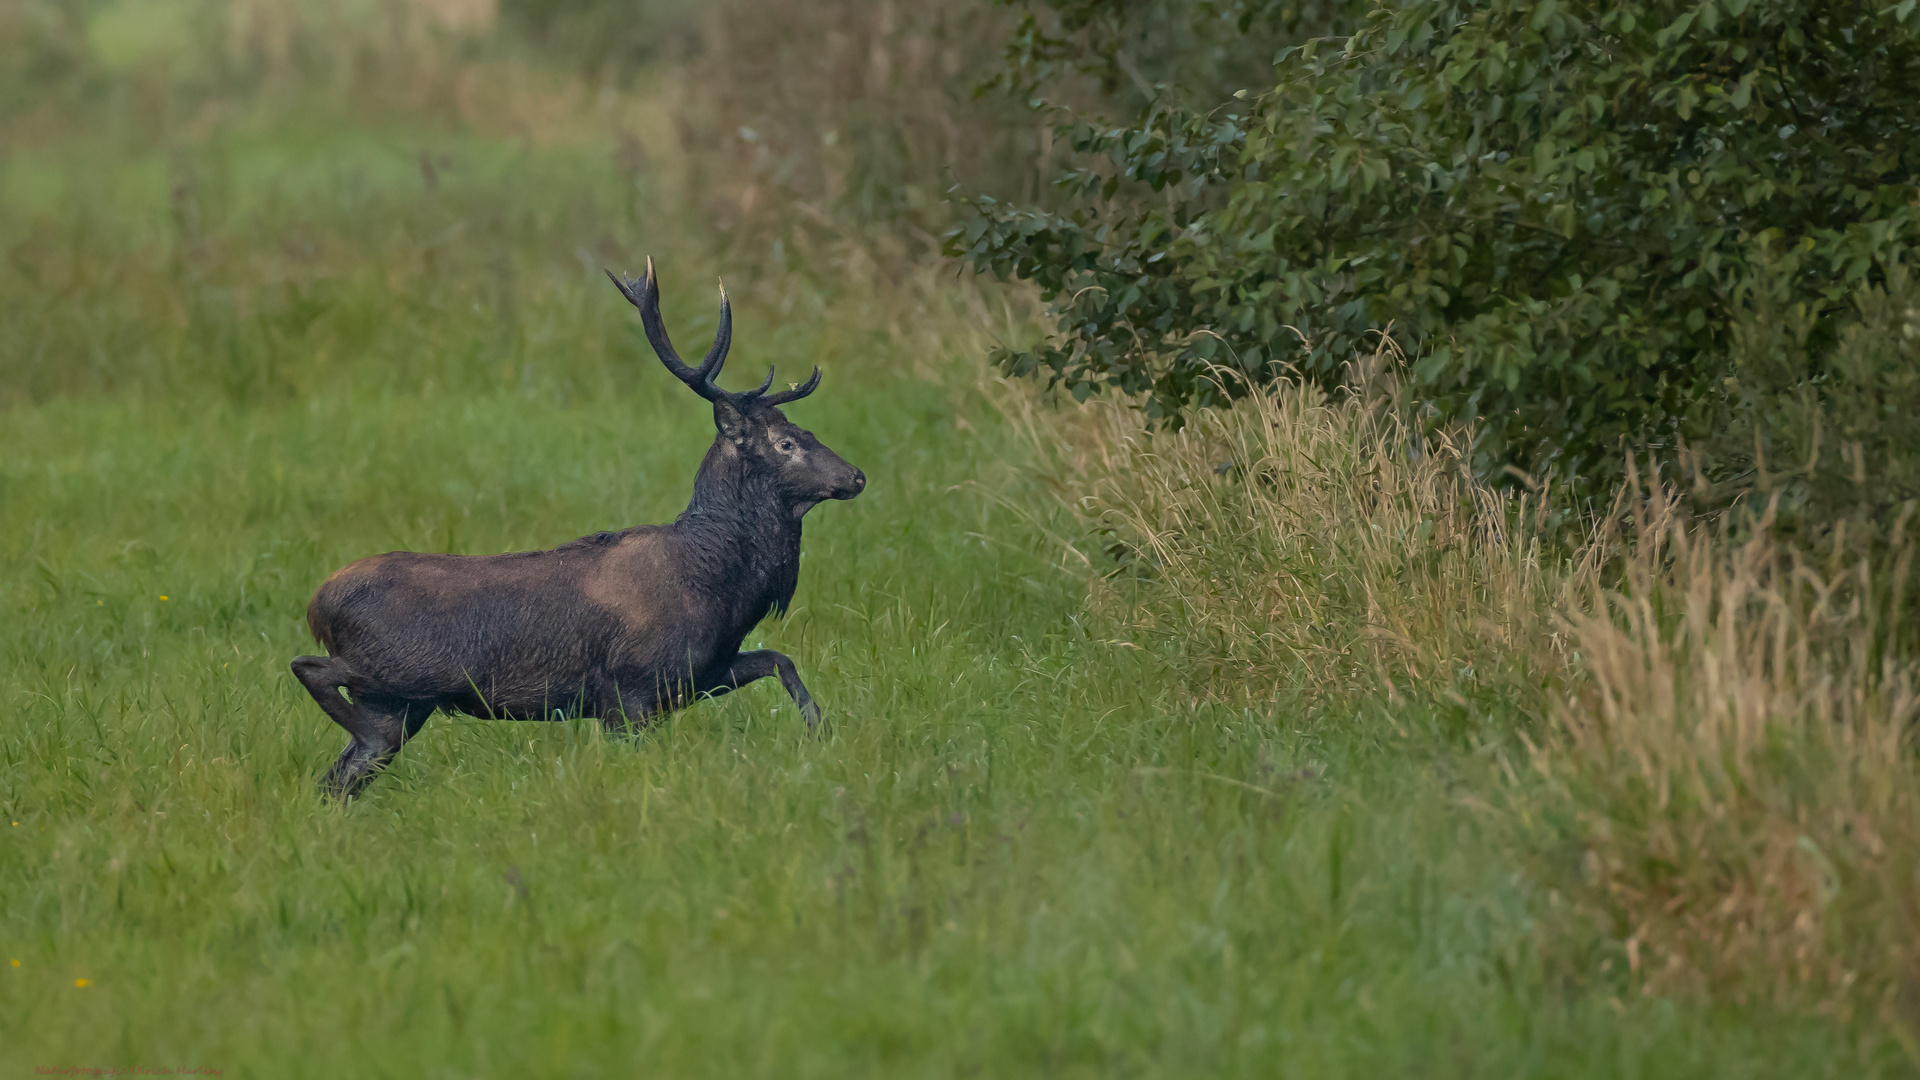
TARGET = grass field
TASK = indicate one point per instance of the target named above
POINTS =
(1025, 845)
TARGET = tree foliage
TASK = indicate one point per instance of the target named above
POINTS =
(1560, 209)
(1833, 461)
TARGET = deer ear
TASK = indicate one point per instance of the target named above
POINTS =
(729, 421)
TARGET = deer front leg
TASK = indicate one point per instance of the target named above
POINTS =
(760, 663)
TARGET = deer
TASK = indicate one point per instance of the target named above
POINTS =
(620, 626)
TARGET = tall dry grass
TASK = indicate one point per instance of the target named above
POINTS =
(1739, 756)
(1709, 756)
(1308, 545)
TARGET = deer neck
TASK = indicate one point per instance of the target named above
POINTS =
(742, 534)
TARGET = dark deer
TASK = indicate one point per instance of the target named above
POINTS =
(621, 626)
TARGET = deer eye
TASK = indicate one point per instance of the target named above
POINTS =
(786, 446)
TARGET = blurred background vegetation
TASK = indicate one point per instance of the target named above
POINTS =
(1598, 279)
(159, 238)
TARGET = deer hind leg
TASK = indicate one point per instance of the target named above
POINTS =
(377, 726)
(628, 710)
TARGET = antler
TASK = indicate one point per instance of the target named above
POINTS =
(645, 295)
(794, 394)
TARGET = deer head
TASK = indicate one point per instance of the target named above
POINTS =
(750, 422)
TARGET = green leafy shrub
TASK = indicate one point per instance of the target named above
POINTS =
(1137, 51)
(1560, 208)
(1827, 443)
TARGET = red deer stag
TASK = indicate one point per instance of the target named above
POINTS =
(618, 625)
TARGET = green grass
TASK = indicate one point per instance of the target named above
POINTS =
(1020, 849)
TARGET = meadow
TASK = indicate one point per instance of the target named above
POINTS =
(1069, 815)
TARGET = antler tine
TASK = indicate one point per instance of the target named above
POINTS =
(722, 340)
(647, 299)
(764, 387)
(794, 394)
(625, 287)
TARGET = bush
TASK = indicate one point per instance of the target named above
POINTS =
(1823, 438)
(1561, 208)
